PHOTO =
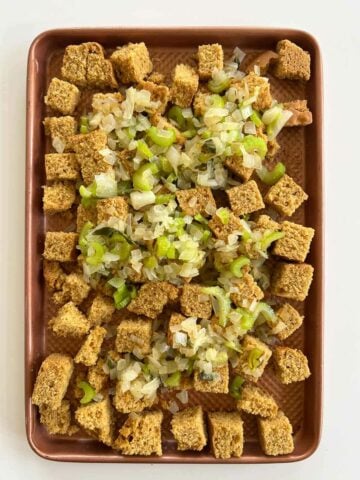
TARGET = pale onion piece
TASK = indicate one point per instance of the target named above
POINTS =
(250, 128)
(150, 388)
(183, 396)
(257, 70)
(272, 114)
(238, 55)
(108, 155)
(173, 407)
(106, 185)
(141, 199)
(180, 338)
(110, 257)
(58, 144)
(108, 123)
(187, 112)
(214, 115)
(249, 160)
(98, 397)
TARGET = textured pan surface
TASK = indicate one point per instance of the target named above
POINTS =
(300, 151)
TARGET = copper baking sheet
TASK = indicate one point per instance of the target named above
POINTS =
(301, 152)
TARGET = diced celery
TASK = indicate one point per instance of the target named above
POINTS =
(150, 262)
(253, 144)
(143, 179)
(99, 251)
(235, 387)
(84, 129)
(237, 264)
(171, 253)
(224, 304)
(173, 380)
(164, 198)
(190, 133)
(199, 218)
(262, 308)
(83, 243)
(144, 150)
(162, 137)
(224, 215)
(123, 295)
(218, 87)
(165, 165)
(175, 113)
(254, 358)
(217, 101)
(162, 246)
(270, 177)
(269, 238)
(256, 119)
(89, 392)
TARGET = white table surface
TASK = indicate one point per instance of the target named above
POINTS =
(336, 26)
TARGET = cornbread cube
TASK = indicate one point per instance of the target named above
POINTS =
(90, 349)
(291, 320)
(134, 334)
(56, 422)
(263, 61)
(54, 275)
(111, 207)
(215, 382)
(235, 165)
(58, 197)
(291, 365)
(125, 402)
(286, 196)
(60, 130)
(293, 62)
(265, 223)
(97, 420)
(97, 378)
(256, 401)
(53, 380)
(107, 102)
(275, 435)
(84, 215)
(189, 430)
(100, 72)
(295, 245)
(292, 280)
(194, 303)
(174, 322)
(200, 103)
(60, 246)
(248, 291)
(62, 96)
(152, 298)
(132, 62)
(74, 288)
(226, 434)
(101, 310)
(87, 148)
(245, 198)
(255, 84)
(74, 66)
(61, 166)
(69, 321)
(156, 77)
(185, 82)
(159, 93)
(223, 230)
(253, 359)
(196, 200)
(141, 434)
(211, 57)
(301, 115)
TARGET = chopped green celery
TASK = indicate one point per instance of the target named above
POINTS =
(164, 198)
(84, 129)
(89, 392)
(221, 357)
(99, 251)
(235, 387)
(256, 118)
(173, 380)
(206, 134)
(145, 369)
(237, 264)
(83, 243)
(143, 179)
(253, 144)
(179, 224)
(199, 218)
(270, 177)
(171, 178)
(218, 87)
(162, 246)
(254, 358)
(190, 133)
(130, 132)
(224, 304)
(262, 308)
(247, 319)
(150, 262)
(87, 192)
(84, 120)
(144, 150)
(175, 113)
(245, 235)
(217, 101)
(123, 295)
(271, 115)
(231, 345)
(224, 215)
(269, 238)
(122, 249)
(165, 165)
(171, 253)
(124, 186)
(84, 125)
(204, 157)
(190, 367)
(88, 202)
(162, 137)
(116, 282)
